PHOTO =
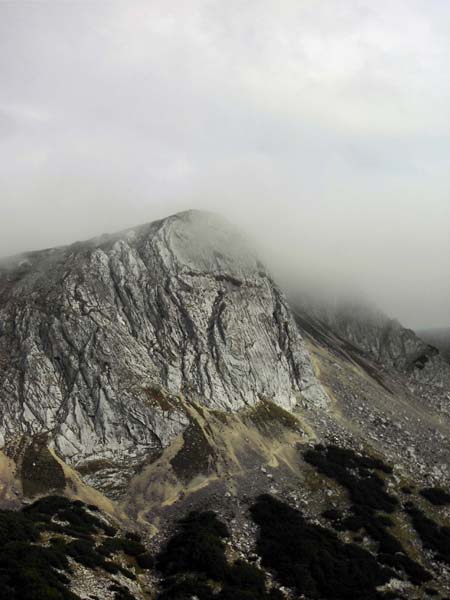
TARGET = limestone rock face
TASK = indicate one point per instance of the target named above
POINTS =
(394, 347)
(90, 332)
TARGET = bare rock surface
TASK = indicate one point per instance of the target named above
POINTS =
(386, 341)
(90, 332)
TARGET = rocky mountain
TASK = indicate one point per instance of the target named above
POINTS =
(161, 370)
(384, 339)
(439, 337)
(91, 333)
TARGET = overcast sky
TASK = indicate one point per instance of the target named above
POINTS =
(321, 126)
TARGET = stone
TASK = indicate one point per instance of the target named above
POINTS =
(98, 338)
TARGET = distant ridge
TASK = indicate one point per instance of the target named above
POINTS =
(439, 337)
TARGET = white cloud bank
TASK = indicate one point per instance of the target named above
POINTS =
(322, 127)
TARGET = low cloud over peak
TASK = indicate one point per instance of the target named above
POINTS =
(323, 131)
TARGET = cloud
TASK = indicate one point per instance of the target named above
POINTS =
(322, 128)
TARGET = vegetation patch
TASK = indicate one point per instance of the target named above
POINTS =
(311, 559)
(370, 503)
(195, 456)
(40, 471)
(113, 545)
(266, 414)
(356, 473)
(48, 512)
(194, 564)
(332, 514)
(436, 496)
(31, 571)
(145, 560)
(120, 592)
(434, 537)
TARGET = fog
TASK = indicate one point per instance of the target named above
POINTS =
(320, 128)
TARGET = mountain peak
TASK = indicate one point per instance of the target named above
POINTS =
(181, 305)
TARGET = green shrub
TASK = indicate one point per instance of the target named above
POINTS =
(145, 560)
(433, 536)
(120, 592)
(311, 559)
(110, 546)
(367, 492)
(195, 555)
(132, 547)
(30, 571)
(198, 547)
(15, 526)
(436, 496)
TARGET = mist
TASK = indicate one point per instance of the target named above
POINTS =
(320, 129)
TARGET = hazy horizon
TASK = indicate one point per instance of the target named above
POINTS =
(321, 130)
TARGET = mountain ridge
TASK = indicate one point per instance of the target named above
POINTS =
(161, 376)
(92, 329)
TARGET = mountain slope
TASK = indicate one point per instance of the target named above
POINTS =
(439, 337)
(162, 367)
(90, 334)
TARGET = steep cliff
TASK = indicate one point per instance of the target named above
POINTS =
(93, 335)
(394, 348)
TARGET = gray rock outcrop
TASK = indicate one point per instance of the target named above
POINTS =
(385, 340)
(91, 331)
